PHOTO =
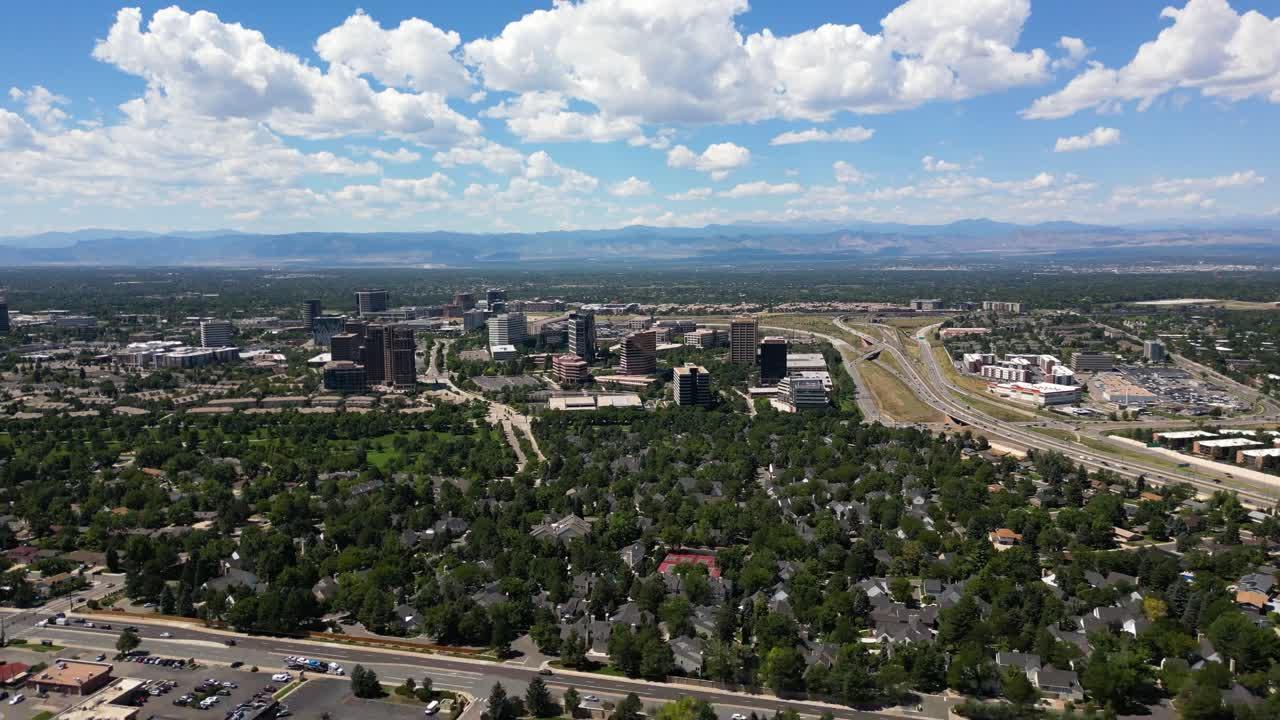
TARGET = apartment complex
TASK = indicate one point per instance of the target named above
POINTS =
(692, 386)
(743, 333)
(1015, 308)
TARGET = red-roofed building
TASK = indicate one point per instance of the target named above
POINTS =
(23, 554)
(12, 672)
(672, 560)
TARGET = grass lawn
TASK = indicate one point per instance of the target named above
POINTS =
(894, 398)
(38, 647)
(42, 715)
(813, 323)
(285, 691)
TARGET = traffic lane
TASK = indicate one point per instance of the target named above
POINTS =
(468, 676)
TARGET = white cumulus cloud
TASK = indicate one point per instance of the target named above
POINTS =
(760, 188)
(717, 160)
(415, 55)
(847, 174)
(933, 164)
(631, 187)
(1209, 47)
(674, 61)
(841, 135)
(1098, 137)
(402, 156)
(196, 64)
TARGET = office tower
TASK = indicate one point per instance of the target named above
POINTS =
(215, 333)
(310, 311)
(773, 360)
(324, 327)
(4, 317)
(464, 300)
(742, 340)
(355, 327)
(495, 295)
(473, 320)
(570, 369)
(375, 354)
(402, 366)
(345, 347)
(639, 353)
(371, 301)
(345, 377)
(582, 335)
(507, 329)
(692, 385)
(1153, 351)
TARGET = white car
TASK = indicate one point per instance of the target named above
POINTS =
(739, 716)
(17, 699)
(281, 677)
(166, 634)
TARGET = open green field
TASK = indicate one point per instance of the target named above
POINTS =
(894, 398)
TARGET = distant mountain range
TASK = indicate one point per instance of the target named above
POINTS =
(994, 241)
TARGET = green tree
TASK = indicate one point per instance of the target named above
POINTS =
(500, 706)
(687, 708)
(127, 641)
(1017, 688)
(573, 652)
(537, 699)
(571, 701)
(629, 709)
(364, 683)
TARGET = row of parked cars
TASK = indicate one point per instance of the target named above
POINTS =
(146, 658)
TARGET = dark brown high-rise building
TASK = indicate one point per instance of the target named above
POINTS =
(375, 354)
(402, 368)
(356, 327)
(464, 300)
(773, 360)
(310, 311)
(345, 346)
(4, 317)
(371, 301)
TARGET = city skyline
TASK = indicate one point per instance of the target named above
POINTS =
(531, 116)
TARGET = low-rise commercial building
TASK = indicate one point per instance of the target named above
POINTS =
(344, 376)
(1038, 394)
(71, 677)
(1223, 447)
(570, 369)
(704, 339)
(1092, 362)
(797, 393)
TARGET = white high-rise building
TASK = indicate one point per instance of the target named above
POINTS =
(216, 333)
(507, 329)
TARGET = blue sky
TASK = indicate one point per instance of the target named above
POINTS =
(602, 113)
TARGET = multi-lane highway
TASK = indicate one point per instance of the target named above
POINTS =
(933, 388)
(471, 676)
